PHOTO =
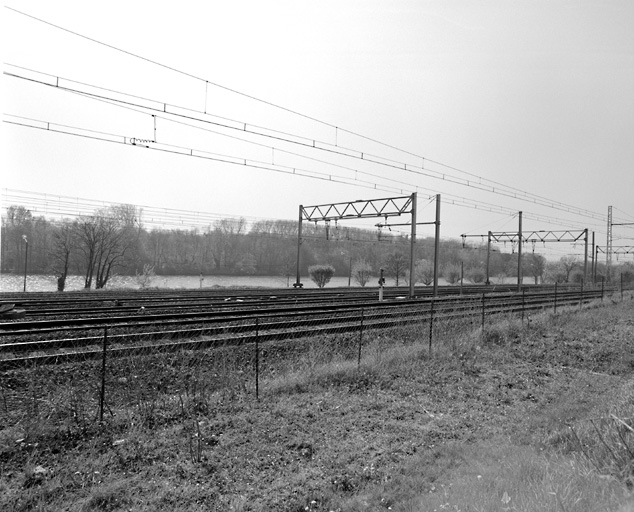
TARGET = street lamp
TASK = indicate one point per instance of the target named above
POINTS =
(26, 258)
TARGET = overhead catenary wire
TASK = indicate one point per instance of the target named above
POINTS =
(67, 207)
(58, 208)
(207, 82)
(310, 144)
(336, 128)
(186, 151)
(460, 201)
(457, 200)
(197, 153)
(294, 112)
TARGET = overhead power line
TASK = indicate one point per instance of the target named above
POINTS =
(161, 107)
(60, 207)
(294, 112)
(57, 208)
(197, 153)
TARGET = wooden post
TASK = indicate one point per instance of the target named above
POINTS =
(483, 309)
(360, 339)
(102, 396)
(257, 359)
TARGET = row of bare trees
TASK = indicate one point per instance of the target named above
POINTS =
(95, 246)
(113, 241)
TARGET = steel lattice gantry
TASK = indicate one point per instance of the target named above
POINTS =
(570, 236)
(387, 207)
(359, 209)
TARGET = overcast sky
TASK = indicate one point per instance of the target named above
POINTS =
(532, 98)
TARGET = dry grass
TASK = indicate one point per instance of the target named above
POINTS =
(481, 423)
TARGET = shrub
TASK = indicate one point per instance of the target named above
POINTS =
(452, 273)
(145, 278)
(321, 274)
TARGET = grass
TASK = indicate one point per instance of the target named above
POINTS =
(515, 417)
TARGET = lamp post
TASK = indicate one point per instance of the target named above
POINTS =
(26, 258)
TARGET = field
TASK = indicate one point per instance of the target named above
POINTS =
(531, 414)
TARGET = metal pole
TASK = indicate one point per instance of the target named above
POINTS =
(381, 281)
(593, 268)
(298, 283)
(585, 256)
(608, 247)
(431, 324)
(412, 249)
(436, 244)
(488, 281)
(26, 258)
(519, 255)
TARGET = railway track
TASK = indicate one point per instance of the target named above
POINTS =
(108, 303)
(76, 337)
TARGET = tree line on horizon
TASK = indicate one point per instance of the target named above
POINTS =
(113, 241)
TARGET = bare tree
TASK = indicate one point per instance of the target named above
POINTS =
(535, 264)
(568, 264)
(106, 240)
(224, 242)
(396, 266)
(64, 245)
(145, 278)
(554, 272)
(424, 272)
(361, 271)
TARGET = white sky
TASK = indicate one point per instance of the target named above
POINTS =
(532, 94)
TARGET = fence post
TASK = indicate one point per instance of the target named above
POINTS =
(257, 359)
(360, 339)
(621, 286)
(555, 299)
(483, 308)
(581, 294)
(461, 275)
(102, 396)
(431, 324)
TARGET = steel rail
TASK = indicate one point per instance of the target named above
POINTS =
(39, 301)
(38, 326)
(374, 319)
